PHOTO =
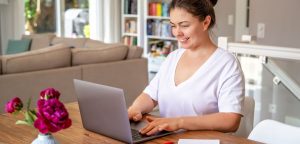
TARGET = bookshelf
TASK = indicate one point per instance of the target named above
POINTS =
(158, 38)
(131, 22)
(145, 23)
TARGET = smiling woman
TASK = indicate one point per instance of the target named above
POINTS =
(198, 85)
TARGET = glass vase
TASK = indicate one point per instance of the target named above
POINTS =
(44, 139)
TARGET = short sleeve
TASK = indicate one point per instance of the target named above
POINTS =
(231, 94)
(152, 88)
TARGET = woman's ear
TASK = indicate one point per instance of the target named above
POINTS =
(206, 23)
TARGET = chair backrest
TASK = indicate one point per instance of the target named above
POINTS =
(246, 124)
(274, 132)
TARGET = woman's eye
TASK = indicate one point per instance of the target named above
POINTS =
(185, 26)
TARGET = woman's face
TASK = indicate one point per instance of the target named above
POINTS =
(188, 30)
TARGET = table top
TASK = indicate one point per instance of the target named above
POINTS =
(11, 133)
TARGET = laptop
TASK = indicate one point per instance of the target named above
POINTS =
(103, 110)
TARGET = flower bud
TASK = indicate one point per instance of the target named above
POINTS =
(49, 93)
(14, 105)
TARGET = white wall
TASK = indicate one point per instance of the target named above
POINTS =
(223, 10)
(281, 19)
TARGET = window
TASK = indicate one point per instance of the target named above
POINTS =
(76, 22)
(40, 16)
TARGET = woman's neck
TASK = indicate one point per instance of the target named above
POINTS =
(207, 47)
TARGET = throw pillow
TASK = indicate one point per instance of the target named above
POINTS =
(39, 41)
(134, 52)
(18, 46)
(56, 56)
(71, 42)
(94, 43)
(111, 52)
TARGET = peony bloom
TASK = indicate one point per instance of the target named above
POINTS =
(52, 116)
(49, 93)
(14, 105)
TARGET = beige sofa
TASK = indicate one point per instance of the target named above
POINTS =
(26, 74)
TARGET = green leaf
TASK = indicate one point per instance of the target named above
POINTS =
(28, 104)
(23, 122)
(32, 113)
(28, 117)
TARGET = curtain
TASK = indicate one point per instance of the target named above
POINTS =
(105, 20)
(12, 22)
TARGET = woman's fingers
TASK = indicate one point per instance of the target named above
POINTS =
(162, 127)
(150, 118)
(134, 114)
(147, 128)
(153, 130)
(137, 117)
(153, 126)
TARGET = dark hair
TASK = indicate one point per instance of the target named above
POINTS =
(198, 8)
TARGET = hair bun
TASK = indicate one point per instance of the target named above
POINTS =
(213, 2)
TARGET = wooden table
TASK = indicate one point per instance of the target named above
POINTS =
(76, 134)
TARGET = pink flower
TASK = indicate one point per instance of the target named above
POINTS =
(49, 93)
(52, 116)
(14, 105)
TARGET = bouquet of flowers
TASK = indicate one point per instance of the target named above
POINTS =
(51, 115)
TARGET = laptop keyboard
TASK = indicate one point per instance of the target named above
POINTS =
(136, 135)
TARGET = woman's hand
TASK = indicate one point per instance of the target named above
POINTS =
(134, 114)
(158, 124)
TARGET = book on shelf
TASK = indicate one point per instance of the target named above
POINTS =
(165, 7)
(133, 7)
(158, 9)
(160, 28)
(126, 4)
(130, 6)
(152, 9)
(130, 26)
(130, 40)
(166, 30)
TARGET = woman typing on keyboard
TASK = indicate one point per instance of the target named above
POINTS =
(199, 86)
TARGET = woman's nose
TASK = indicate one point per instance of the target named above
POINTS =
(177, 32)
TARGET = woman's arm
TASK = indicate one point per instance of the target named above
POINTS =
(142, 104)
(224, 122)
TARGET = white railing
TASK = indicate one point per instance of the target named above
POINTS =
(271, 52)
(283, 77)
(263, 50)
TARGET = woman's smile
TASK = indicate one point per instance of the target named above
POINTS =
(183, 40)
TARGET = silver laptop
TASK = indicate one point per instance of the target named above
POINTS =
(103, 110)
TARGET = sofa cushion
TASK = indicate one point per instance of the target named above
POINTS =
(47, 58)
(18, 46)
(134, 52)
(0, 65)
(39, 41)
(94, 43)
(71, 42)
(112, 52)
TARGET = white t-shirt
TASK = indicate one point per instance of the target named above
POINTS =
(217, 86)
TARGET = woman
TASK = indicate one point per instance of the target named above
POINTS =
(198, 87)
